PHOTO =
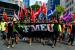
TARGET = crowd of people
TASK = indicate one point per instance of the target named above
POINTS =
(10, 32)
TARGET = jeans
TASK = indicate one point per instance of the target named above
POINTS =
(3, 35)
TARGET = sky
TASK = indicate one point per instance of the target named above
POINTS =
(33, 1)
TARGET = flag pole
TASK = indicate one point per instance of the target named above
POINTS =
(46, 16)
(19, 7)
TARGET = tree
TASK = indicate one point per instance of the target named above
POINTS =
(59, 10)
(35, 7)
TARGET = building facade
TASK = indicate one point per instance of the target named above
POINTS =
(26, 3)
(8, 7)
(52, 4)
(69, 5)
(9, 1)
(39, 3)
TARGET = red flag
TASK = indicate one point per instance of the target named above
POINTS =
(25, 11)
(38, 12)
(44, 9)
(5, 16)
(32, 16)
(21, 15)
(74, 16)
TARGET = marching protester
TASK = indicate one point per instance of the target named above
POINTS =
(10, 34)
(72, 34)
(59, 31)
(66, 33)
(15, 28)
(63, 32)
(3, 28)
(51, 34)
(55, 32)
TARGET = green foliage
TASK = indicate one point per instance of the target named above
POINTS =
(59, 9)
(35, 7)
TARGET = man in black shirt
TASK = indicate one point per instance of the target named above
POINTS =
(10, 35)
(72, 35)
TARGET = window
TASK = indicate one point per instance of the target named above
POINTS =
(72, 1)
(67, 5)
(67, 0)
(9, 11)
(71, 9)
(1, 10)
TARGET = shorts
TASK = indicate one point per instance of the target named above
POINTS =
(10, 35)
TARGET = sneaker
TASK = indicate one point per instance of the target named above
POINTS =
(30, 44)
(70, 46)
(52, 46)
(8, 47)
(13, 45)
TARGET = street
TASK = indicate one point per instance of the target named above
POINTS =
(35, 46)
(36, 22)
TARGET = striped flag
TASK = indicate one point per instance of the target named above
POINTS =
(68, 17)
(16, 16)
(19, 2)
(50, 13)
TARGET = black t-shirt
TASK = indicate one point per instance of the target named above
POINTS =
(73, 28)
(55, 27)
(10, 27)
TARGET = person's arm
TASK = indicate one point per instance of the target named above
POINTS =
(71, 28)
(6, 30)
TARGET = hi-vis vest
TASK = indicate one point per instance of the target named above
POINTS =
(2, 26)
(59, 28)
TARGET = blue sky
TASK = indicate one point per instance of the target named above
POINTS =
(33, 1)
